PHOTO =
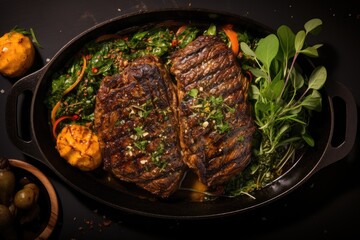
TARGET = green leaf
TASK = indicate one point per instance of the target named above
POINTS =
(296, 111)
(243, 37)
(139, 35)
(317, 46)
(317, 78)
(297, 80)
(274, 90)
(312, 101)
(299, 40)
(193, 92)
(286, 39)
(281, 132)
(262, 107)
(247, 50)
(267, 49)
(310, 52)
(278, 76)
(211, 30)
(258, 73)
(312, 25)
(254, 91)
(276, 67)
(308, 139)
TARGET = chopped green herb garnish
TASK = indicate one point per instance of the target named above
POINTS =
(141, 145)
(139, 140)
(211, 109)
(139, 131)
(193, 92)
(156, 157)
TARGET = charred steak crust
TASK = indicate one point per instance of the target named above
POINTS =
(216, 126)
(136, 121)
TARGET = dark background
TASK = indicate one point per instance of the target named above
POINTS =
(327, 206)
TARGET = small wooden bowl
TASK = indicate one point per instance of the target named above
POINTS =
(48, 200)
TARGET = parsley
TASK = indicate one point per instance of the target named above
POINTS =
(211, 109)
(141, 145)
(139, 142)
(144, 109)
(156, 157)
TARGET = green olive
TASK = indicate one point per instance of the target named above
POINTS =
(24, 198)
(6, 217)
(35, 188)
(7, 182)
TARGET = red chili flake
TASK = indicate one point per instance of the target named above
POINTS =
(174, 42)
(94, 70)
(88, 57)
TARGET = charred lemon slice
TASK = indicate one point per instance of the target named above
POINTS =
(17, 54)
(79, 146)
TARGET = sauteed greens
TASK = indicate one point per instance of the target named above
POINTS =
(282, 96)
(104, 57)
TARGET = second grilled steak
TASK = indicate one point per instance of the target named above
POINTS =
(138, 128)
(216, 126)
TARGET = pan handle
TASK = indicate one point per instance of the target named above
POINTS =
(335, 153)
(26, 144)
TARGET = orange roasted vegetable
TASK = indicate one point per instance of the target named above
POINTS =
(79, 146)
(17, 54)
(232, 35)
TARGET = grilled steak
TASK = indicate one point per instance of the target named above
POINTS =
(136, 121)
(216, 126)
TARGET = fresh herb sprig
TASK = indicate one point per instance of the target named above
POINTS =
(283, 98)
(29, 32)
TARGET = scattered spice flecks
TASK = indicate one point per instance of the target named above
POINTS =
(96, 224)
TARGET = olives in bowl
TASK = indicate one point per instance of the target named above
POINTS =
(28, 201)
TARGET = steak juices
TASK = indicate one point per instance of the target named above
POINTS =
(152, 131)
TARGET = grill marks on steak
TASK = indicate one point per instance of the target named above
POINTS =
(135, 118)
(208, 65)
(150, 131)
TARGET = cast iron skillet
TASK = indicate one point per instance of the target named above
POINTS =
(41, 146)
